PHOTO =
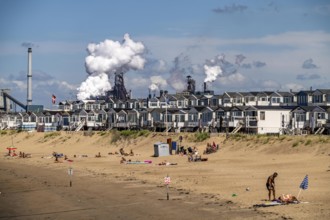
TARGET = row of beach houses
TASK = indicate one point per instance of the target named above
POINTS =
(304, 112)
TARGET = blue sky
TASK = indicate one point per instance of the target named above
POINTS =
(283, 44)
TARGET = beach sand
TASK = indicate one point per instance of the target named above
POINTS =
(227, 186)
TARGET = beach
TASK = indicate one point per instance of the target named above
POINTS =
(227, 186)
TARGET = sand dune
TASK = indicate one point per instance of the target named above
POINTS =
(207, 188)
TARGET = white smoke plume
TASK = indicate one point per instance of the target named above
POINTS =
(157, 82)
(212, 73)
(93, 86)
(212, 68)
(106, 58)
(153, 87)
(219, 66)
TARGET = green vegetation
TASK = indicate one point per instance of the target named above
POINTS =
(3, 132)
(51, 135)
(266, 140)
(308, 142)
(323, 140)
(282, 138)
(199, 137)
(9, 132)
(102, 133)
(128, 134)
(295, 144)
(238, 137)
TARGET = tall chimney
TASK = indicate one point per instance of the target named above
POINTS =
(205, 88)
(29, 78)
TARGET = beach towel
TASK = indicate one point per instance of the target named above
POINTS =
(274, 203)
(139, 162)
(268, 204)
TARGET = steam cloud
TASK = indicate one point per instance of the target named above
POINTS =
(211, 72)
(157, 83)
(219, 66)
(106, 58)
(178, 72)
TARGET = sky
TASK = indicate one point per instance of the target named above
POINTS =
(77, 46)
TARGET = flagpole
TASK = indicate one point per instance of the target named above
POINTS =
(299, 193)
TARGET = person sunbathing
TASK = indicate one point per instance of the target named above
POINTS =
(166, 163)
(123, 160)
(122, 152)
(288, 198)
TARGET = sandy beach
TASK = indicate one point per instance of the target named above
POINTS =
(226, 186)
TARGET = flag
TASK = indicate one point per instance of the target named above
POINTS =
(167, 180)
(53, 99)
(304, 183)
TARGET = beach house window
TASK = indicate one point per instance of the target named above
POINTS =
(132, 117)
(121, 118)
(220, 114)
(237, 113)
(226, 100)
(317, 98)
(275, 100)
(287, 99)
(321, 115)
(262, 115)
(300, 117)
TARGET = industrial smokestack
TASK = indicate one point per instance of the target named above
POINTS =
(205, 87)
(29, 78)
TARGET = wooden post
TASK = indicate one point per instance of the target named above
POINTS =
(70, 173)
(168, 195)
(167, 181)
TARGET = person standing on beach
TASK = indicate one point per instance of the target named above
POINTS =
(270, 184)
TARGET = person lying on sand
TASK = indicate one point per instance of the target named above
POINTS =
(288, 198)
(166, 163)
(123, 160)
(122, 152)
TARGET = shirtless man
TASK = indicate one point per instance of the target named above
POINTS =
(270, 184)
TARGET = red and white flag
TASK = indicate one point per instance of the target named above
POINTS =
(53, 99)
(167, 180)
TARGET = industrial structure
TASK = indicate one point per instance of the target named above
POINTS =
(262, 112)
(9, 103)
(29, 79)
